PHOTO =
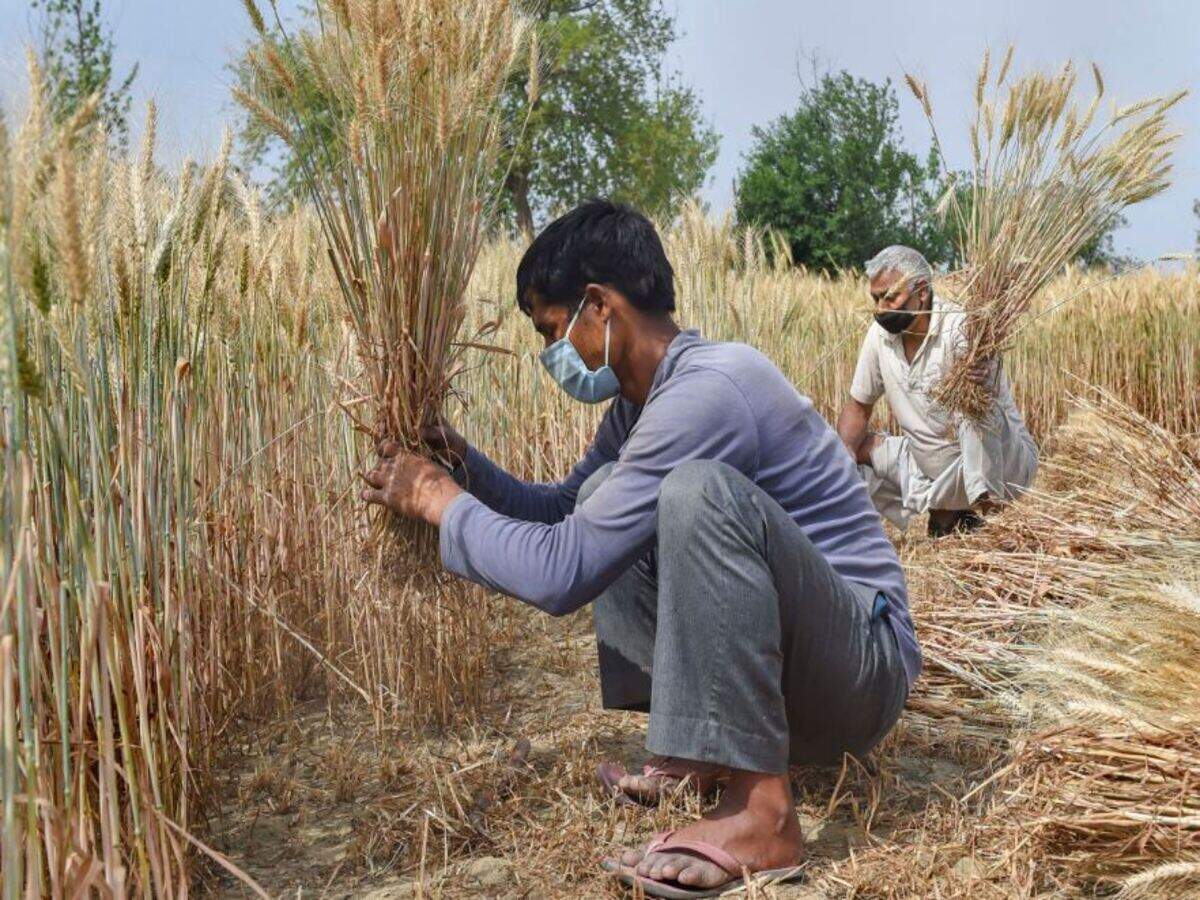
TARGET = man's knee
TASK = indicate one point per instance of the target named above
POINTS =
(593, 481)
(886, 453)
(699, 485)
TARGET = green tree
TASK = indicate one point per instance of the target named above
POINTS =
(834, 180)
(76, 55)
(606, 118)
(1101, 251)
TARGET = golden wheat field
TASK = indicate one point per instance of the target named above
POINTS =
(212, 679)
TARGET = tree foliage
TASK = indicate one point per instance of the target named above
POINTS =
(1196, 210)
(604, 119)
(1101, 251)
(835, 181)
(76, 55)
(833, 178)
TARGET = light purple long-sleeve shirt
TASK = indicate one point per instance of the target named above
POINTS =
(716, 401)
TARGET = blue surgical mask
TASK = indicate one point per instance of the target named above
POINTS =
(567, 367)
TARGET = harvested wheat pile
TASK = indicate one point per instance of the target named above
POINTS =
(1070, 629)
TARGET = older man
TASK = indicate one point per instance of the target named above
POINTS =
(943, 464)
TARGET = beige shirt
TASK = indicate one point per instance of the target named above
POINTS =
(933, 433)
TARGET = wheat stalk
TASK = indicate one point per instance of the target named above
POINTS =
(1044, 182)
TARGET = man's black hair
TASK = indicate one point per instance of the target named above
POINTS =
(598, 242)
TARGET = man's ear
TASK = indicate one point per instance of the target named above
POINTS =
(600, 298)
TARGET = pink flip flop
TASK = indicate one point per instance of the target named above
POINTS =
(610, 774)
(738, 877)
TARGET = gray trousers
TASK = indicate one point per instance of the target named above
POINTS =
(745, 646)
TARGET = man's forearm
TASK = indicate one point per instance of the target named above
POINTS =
(435, 497)
(508, 495)
(852, 428)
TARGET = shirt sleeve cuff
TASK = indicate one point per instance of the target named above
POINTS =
(862, 397)
(450, 533)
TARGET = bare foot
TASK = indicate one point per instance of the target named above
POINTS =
(665, 775)
(755, 822)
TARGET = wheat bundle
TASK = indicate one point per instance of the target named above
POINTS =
(1113, 686)
(1045, 181)
(393, 110)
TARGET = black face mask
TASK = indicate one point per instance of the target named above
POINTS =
(895, 321)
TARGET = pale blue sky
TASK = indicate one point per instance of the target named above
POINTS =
(742, 56)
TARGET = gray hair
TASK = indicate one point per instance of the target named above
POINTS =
(910, 264)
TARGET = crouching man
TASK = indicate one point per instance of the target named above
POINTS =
(945, 465)
(743, 590)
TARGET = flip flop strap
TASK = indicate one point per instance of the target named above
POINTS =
(711, 852)
(666, 767)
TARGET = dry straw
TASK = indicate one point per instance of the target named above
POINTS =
(1072, 622)
(1045, 180)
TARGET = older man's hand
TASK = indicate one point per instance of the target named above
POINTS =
(409, 485)
(981, 372)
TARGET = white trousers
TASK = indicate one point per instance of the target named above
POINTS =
(987, 463)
